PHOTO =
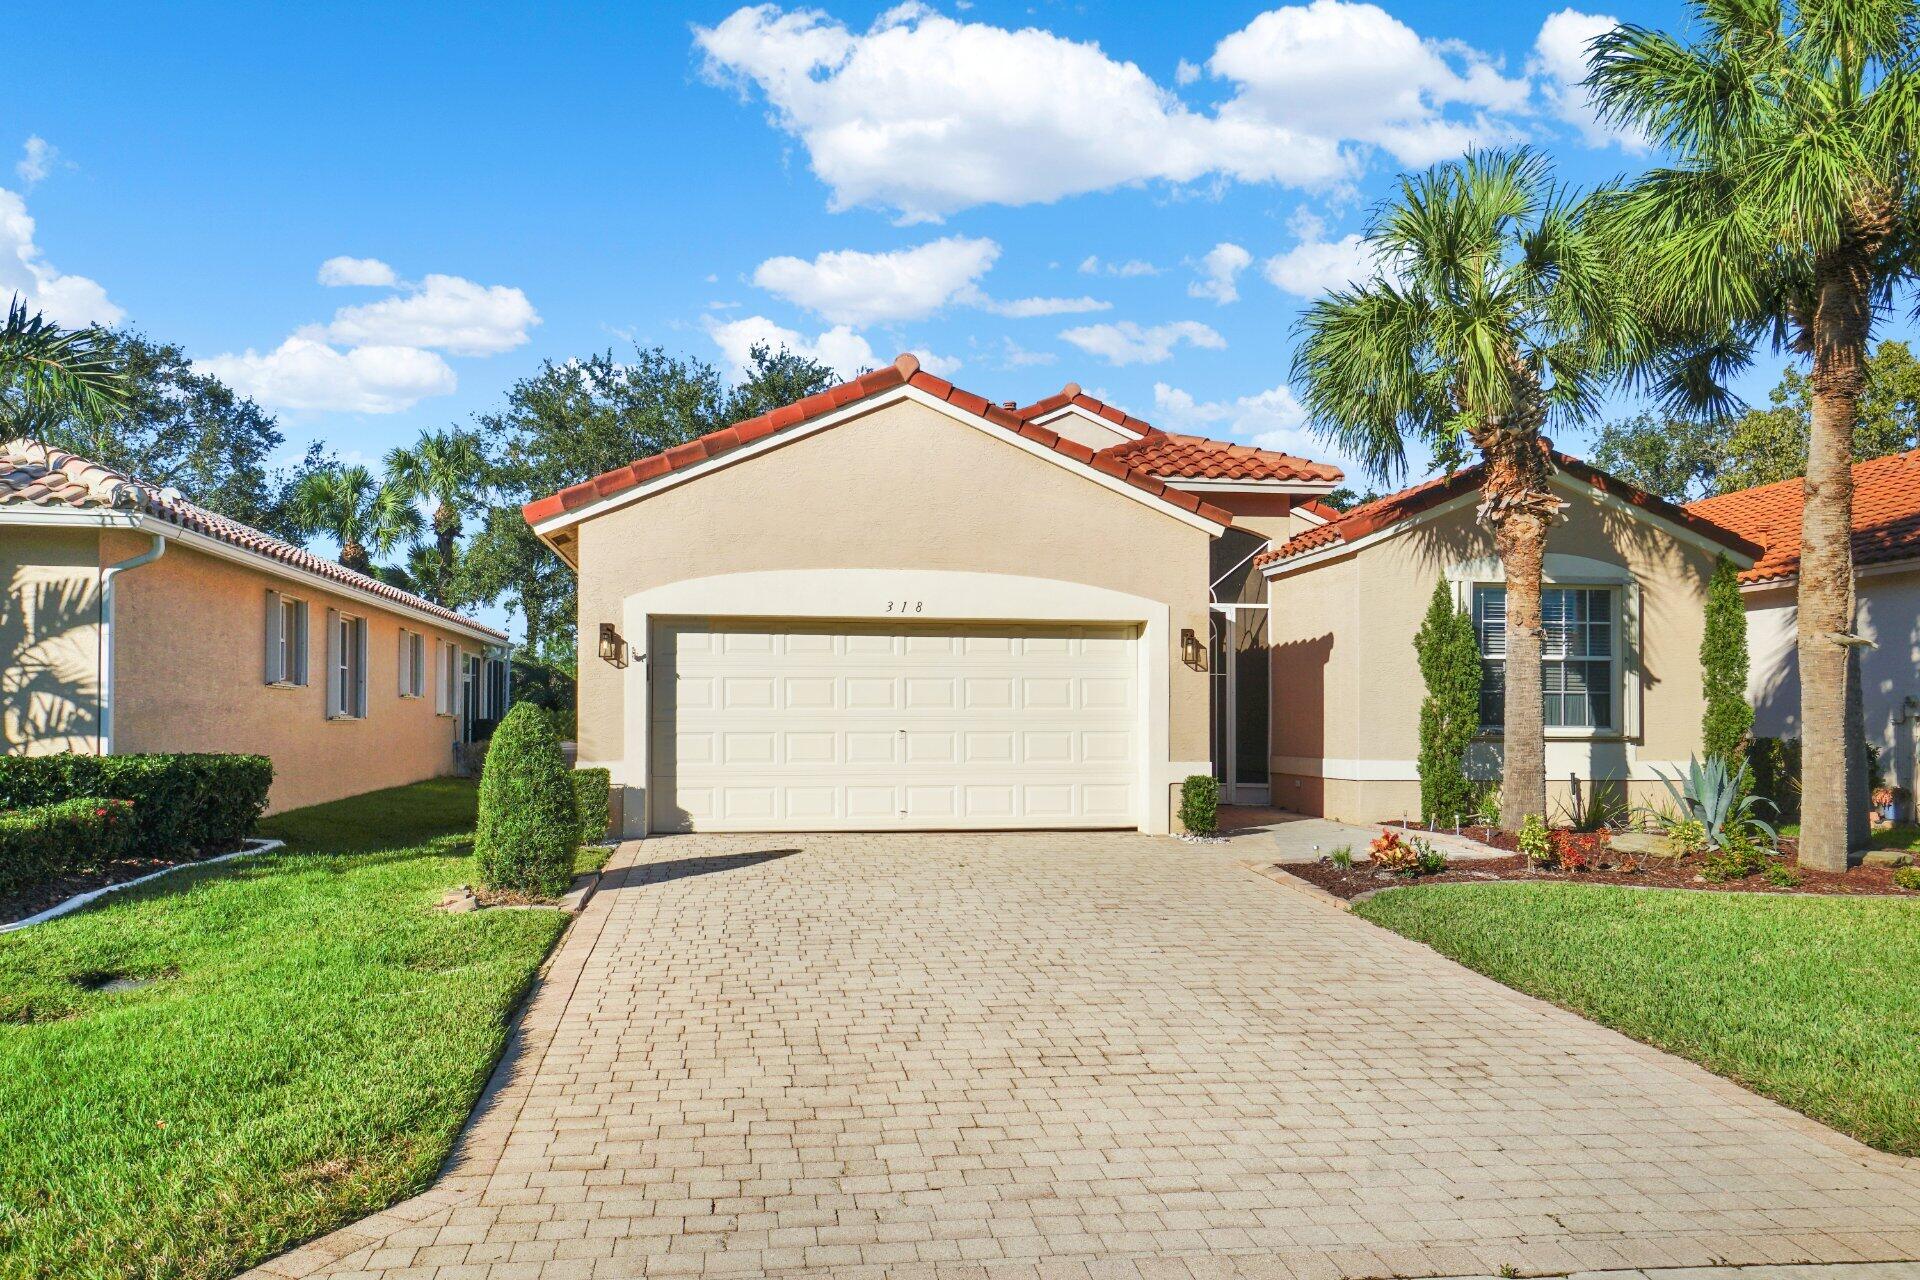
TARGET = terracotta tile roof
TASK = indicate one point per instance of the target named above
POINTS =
(1198, 458)
(1371, 517)
(1886, 516)
(1184, 457)
(904, 371)
(1315, 507)
(38, 475)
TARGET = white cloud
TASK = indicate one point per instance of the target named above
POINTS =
(938, 365)
(344, 270)
(1343, 72)
(1271, 419)
(68, 300)
(1129, 343)
(1317, 265)
(1218, 271)
(1026, 308)
(927, 115)
(446, 313)
(305, 373)
(1014, 356)
(36, 160)
(840, 348)
(854, 288)
(1093, 265)
(1559, 63)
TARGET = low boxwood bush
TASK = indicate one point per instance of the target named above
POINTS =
(1200, 804)
(593, 797)
(51, 840)
(529, 821)
(183, 804)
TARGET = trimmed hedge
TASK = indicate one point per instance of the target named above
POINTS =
(1200, 804)
(593, 797)
(51, 840)
(529, 818)
(183, 804)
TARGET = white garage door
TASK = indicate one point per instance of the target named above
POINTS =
(849, 726)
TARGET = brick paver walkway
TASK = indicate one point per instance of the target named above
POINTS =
(1080, 1056)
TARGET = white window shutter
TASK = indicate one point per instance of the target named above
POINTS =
(400, 666)
(440, 677)
(335, 702)
(360, 667)
(1630, 660)
(275, 669)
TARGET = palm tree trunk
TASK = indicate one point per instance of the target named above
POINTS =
(354, 556)
(1521, 538)
(446, 530)
(1841, 324)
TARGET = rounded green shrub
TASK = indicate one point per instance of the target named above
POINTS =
(1200, 804)
(529, 821)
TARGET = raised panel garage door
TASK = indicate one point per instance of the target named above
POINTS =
(759, 726)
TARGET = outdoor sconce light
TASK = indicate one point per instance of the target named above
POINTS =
(1192, 652)
(613, 649)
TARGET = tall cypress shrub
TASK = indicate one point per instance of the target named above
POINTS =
(529, 822)
(1727, 719)
(1449, 654)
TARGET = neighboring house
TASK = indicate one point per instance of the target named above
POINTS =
(897, 605)
(136, 621)
(1626, 577)
(1886, 556)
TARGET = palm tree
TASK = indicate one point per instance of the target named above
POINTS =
(47, 372)
(1787, 215)
(355, 510)
(448, 469)
(1492, 309)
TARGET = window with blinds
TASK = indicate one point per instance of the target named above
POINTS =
(1577, 658)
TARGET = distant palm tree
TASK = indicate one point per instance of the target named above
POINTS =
(1789, 214)
(1492, 309)
(448, 469)
(48, 372)
(348, 505)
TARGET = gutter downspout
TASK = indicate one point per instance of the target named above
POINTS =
(107, 575)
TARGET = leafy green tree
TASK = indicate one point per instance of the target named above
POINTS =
(573, 420)
(180, 429)
(1727, 717)
(1493, 310)
(1683, 458)
(1449, 654)
(1787, 215)
(529, 824)
(363, 516)
(450, 470)
(48, 373)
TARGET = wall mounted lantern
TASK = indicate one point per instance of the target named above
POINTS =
(1192, 652)
(613, 649)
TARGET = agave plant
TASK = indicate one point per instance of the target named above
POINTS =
(1716, 795)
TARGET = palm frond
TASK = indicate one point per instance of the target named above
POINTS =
(50, 372)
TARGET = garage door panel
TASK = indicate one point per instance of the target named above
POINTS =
(762, 725)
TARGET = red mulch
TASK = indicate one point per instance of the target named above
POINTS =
(52, 893)
(1650, 873)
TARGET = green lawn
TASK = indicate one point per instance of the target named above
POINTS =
(316, 1039)
(1897, 836)
(1811, 1001)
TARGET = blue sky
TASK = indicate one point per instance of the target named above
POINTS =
(1025, 194)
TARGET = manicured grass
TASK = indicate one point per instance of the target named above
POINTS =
(1811, 1001)
(317, 1036)
(1897, 836)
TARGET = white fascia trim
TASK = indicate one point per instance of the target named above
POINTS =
(1074, 410)
(860, 408)
(1336, 550)
(1247, 486)
(69, 517)
(1310, 517)
(1871, 571)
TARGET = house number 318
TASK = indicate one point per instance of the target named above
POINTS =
(906, 606)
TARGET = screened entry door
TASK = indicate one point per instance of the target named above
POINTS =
(1242, 705)
(771, 726)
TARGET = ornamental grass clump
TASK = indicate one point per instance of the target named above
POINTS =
(529, 822)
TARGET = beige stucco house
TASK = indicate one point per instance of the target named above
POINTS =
(1886, 556)
(896, 605)
(1626, 577)
(136, 621)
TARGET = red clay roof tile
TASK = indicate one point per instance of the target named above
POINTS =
(1886, 516)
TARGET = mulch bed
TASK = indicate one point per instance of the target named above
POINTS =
(53, 892)
(1649, 873)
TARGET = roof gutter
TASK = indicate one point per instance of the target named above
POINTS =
(108, 636)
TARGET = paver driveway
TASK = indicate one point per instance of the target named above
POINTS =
(1081, 1055)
